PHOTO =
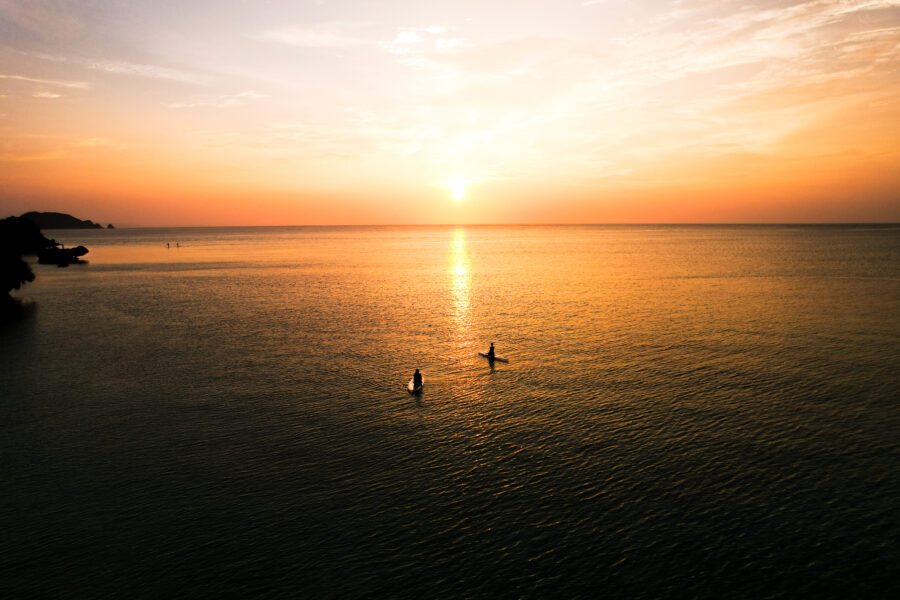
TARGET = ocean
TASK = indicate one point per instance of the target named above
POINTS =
(687, 411)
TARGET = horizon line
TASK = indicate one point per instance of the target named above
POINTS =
(629, 224)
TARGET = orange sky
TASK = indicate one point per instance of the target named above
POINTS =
(218, 112)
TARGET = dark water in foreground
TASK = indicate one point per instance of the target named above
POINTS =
(687, 412)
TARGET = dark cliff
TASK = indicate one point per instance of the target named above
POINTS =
(18, 236)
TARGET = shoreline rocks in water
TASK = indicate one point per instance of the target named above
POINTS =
(61, 257)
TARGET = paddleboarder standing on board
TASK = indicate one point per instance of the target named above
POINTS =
(417, 379)
(490, 352)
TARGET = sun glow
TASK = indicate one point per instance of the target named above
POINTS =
(458, 187)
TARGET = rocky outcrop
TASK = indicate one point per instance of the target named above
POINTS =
(61, 257)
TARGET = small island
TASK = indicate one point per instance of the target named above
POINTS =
(55, 220)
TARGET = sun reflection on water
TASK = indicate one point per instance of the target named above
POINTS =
(459, 278)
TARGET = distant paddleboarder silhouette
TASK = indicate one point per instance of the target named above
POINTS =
(491, 356)
(416, 383)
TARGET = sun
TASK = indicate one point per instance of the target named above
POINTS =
(457, 187)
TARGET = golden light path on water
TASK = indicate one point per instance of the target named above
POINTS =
(458, 272)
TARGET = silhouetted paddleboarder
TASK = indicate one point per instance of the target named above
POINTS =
(491, 357)
(416, 383)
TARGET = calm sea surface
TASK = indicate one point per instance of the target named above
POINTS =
(701, 412)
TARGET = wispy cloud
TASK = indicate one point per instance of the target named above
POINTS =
(222, 101)
(141, 70)
(49, 155)
(61, 83)
(702, 78)
(36, 148)
(327, 35)
(93, 142)
(122, 67)
(46, 95)
(416, 45)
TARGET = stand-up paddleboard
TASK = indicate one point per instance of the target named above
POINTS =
(413, 389)
(496, 358)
